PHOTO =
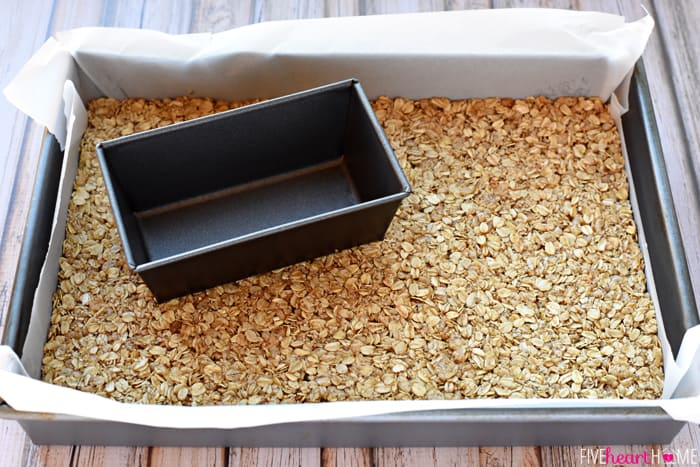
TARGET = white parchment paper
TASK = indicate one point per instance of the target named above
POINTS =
(478, 53)
(513, 53)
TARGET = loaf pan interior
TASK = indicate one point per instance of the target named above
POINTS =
(247, 171)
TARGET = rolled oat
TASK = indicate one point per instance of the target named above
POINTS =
(513, 270)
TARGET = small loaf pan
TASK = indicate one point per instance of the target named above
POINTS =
(222, 197)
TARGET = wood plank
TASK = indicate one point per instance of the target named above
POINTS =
(187, 457)
(51, 456)
(526, 456)
(379, 7)
(23, 28)
(494, 456)
(677, 23)
(456, 456)
(14, 444)
(341, 8)
(207, 17)
(432, 456)
(564, 4)
(273, 457)
(162, 16)
(427, 457)
(89, 456)
(71, 14)
(122, 13)
(195, 17)
(19, 38)
(287, 9)
(218, 15)
(346, 457)
(467, 4)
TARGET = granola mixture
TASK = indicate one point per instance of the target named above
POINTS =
(513, 270)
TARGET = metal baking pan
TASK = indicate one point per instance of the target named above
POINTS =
(218, 198)
(555, 426)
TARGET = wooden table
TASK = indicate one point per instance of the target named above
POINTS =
(673, 65)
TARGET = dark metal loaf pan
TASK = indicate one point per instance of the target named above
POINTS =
(223, 197)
